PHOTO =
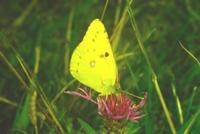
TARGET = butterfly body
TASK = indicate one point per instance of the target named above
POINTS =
(92, 62)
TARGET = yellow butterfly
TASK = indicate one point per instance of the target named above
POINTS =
(92, 62)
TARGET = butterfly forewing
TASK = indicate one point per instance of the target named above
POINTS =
(92, 62)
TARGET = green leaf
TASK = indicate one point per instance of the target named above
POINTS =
(22, 116)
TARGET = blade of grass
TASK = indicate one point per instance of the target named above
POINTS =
(155, 81)
(180, 111)
(190, 103)
(104, 9)
(68, 41)
(167, 113)
(117, 11)
(192, 122)
(21, 120)
(124, 56)
(37, 59)
(62, 91)
(25, 13)
(132, 75)
(7, 101)
(188, 52)
(117, 31)
(188, 124)
(12, 68)
(191, 11)
(26, 71)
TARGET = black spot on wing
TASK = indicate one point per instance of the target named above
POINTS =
(106, 54)
(96, 34)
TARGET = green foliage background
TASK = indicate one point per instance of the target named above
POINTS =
(38, 37)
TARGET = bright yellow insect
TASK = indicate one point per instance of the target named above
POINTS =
(92, 62)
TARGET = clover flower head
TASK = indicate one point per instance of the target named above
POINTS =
(119, 107)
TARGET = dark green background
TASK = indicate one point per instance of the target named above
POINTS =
(55, 27)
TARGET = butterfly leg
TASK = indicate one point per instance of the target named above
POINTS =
(83, 94)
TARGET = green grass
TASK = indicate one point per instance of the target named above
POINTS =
(156, 46)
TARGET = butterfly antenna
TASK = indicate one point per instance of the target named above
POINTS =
(138, 97)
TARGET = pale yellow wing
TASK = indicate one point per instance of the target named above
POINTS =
(92, 62)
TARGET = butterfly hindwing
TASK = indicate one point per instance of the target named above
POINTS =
(92, 61)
